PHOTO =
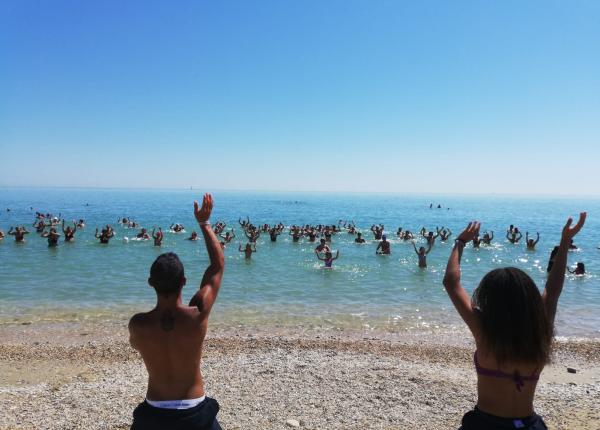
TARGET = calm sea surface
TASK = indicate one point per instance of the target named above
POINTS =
(284, 284)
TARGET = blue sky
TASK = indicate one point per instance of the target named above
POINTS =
(428, 96)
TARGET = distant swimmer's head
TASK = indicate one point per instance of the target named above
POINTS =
(323, 241)
(514, 324)
(421, 249)
(328, 255)
(167, 275)
(580, 269)
(384, 237)
(359, 234)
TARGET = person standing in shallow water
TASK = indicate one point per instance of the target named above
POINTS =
(157, 236)
(384, 247)
(513, 326)
(170, 339)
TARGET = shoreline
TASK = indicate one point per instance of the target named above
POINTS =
(77, 375)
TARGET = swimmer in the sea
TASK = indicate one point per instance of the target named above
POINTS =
(476, 240)
(194, 236)
(158, 237)
(422, 254)
(245, 223)
(252, 235)
(487, 239)
(445, 234)
(572, 246)
(39, 226)
(407, 235)
(105, 235)
(248, 250)
(228, 237)
(296, 234)
(53, 236)
(273, 233)
(579, 269)
(69, 232)
(530, 242)
(219, 227)
(359, 238)
(384, 247)
(329, 258)
(322, 247)
(327, 234)
(177, 228)
(19, 233)
(430, 237)
(514, 236)
(377, 231)
(143, 234)
(81, 223)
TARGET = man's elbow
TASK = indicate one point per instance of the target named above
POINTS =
(219, 263)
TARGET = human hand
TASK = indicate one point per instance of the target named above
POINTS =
(203, 213)
(569, 232)
(469, 233)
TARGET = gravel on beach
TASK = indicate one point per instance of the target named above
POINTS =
(86, 376)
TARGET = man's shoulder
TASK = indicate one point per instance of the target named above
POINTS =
(139, 319)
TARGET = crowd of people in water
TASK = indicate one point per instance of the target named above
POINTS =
(511, 321)
(50, 227)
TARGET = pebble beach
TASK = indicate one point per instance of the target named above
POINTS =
(85, 375)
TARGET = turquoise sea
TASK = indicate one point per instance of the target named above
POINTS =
(284, 284)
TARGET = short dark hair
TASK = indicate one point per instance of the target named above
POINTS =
(166, 274)
(514, 324)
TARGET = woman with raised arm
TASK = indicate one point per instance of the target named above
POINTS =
(328, 259)
(69, 231)
(157, 236)
(248, 250)
(487, 239)
(513, 326)
(530, 242)
(422, 254)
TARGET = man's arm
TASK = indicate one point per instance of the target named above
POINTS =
(556, 278)
(211, 281)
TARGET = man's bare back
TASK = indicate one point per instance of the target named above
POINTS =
(170, 338)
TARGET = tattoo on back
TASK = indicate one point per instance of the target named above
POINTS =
(167, 321)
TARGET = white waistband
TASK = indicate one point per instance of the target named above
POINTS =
(176, 404)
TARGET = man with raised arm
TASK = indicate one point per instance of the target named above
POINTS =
(170, 339)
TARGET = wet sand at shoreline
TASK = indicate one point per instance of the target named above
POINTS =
(85, 375)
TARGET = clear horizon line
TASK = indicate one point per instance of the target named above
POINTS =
(262, 190)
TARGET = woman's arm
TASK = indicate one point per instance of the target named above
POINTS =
(556, 278)
(458, 295)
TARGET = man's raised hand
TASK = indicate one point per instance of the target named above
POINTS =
(203, 214)
(569, 232)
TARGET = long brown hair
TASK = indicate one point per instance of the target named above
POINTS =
(514, 324)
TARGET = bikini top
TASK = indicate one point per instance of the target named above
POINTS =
(516, 376)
